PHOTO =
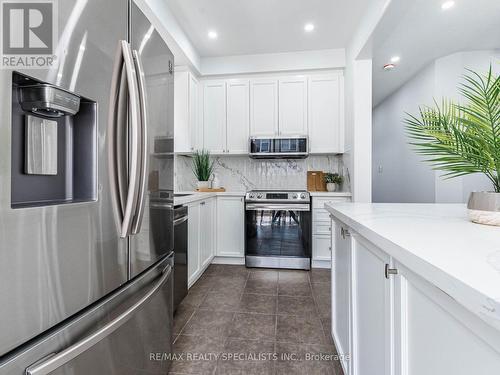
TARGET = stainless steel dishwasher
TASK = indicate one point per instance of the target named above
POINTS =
(180, 254)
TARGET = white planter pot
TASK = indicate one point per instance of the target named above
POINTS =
(203, 184)
(484, 207)
(331, 187)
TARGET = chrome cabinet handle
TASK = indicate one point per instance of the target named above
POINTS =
(390, 271)
(55, 361)
(136, 227)
(344, 233)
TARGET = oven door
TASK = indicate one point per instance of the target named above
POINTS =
(278, 235)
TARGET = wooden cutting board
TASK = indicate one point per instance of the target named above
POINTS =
(210, 190)
(315, 181)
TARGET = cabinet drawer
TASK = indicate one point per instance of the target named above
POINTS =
(320, 214)
(321, 227)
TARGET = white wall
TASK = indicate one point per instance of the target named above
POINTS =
(398, 174)
(358, 105)
(274, 62)
(404, 177)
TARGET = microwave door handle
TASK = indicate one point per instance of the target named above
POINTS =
(133, 186)
(54, 361)
(136, 227)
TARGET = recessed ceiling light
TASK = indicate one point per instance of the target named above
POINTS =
(212, 34)
(447, 5)
(309, 27)
(389, 67)
(395, 59)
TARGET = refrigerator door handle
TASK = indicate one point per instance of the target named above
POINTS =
(54, 361)
(136, 227)
(135, 119)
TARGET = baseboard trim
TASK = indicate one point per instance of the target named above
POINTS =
(321, 264)
(229, 260)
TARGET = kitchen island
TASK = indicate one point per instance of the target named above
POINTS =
(415, 289)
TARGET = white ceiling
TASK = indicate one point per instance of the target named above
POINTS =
(419, 32)
(267, 26)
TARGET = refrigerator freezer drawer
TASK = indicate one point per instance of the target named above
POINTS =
(128, 333)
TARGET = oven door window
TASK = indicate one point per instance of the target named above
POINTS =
(278, 233)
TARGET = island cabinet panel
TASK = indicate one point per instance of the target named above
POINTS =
(341, 293)
(390, 320)
(436, 335)
(371, 310)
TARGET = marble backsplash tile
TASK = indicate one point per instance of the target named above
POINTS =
(240, 173)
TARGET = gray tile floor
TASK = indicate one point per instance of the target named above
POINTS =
(273, 320)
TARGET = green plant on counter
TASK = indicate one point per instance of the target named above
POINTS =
(333, 178)
(462, 139)
(202, 165)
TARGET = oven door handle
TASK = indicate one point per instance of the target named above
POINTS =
(277, 207)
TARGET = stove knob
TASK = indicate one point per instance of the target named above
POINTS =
(251, 196)
(259, 196)
(295, 196)
(303, 196)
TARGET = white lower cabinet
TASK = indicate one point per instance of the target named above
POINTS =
(322, 230)
(387, 320)
(341, 294)
(193, 242)
(230, 226)
(201, 237)
(436, 335)
(371, 311)
(207, 232)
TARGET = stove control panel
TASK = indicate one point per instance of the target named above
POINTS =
(278, 196)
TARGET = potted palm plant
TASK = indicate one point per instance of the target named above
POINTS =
(463, 139)
(333, 180)
(202, 168)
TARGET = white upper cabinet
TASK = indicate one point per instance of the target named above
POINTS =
(188, 130)
(238, 116)
(264, 107)
(182, 126)
(326, 114)
(293, 106)
(196, 129)
(214, 116)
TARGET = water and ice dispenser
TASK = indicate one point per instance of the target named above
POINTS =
(54, 144)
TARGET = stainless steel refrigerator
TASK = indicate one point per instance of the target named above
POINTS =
(85, 260)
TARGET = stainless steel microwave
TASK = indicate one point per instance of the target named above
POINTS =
(278, 147)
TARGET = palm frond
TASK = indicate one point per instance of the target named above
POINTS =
(462, 139)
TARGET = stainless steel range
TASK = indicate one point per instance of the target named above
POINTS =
(278, 229)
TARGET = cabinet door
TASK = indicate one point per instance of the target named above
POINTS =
(230, 227)
(325, 114)
(436, 335)
(194, 265)
(238, 117)
(321, 247)
(195, 125)
(263, 107)
(371, 310)
(341, 293)
(293, 106)
(214, 116)
(182, 141)
(206, 232)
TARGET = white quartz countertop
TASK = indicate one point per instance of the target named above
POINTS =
(197, 196)
(437, 242)
(330, 194)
